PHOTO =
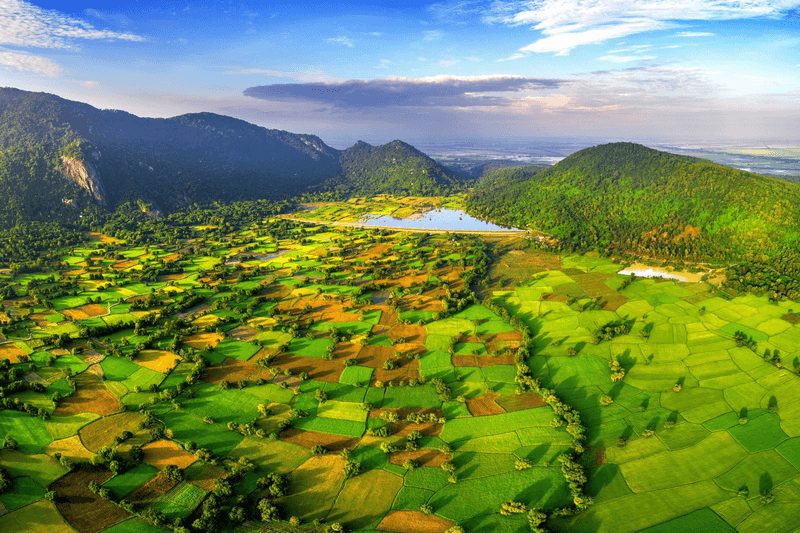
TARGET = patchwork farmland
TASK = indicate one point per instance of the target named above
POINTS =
(301, 377)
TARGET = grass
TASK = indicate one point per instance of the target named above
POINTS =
(342, 411)
(704, 520)
(41, 468)
(142, 378)
(23, 492)
(180, 501)
(356, 374)
(470, 428)
(212, 437)
(61, 427)
(34, 518)
(236, 349)
(365, 499)
(124, 484)
(271, 455)
(117, 368)
(763, 433)
(474, 497)
(29, 431)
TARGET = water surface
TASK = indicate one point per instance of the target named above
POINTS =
(438, 219)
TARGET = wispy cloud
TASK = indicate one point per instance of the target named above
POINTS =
(624, 59)
(438, 91)
(24, 62)
(695, 34)
(568, 24)
(446, 63)
(432, 35)
(456, 11)
(384, 63)
(346, 41)
(24, 24)
(303, 76)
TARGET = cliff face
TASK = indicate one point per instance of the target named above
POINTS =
(84, 174)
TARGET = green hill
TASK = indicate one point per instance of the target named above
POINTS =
(628, 197)
(392, 168)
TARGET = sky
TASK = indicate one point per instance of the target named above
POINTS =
(640, 70)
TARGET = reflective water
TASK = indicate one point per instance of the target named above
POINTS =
(439, 219)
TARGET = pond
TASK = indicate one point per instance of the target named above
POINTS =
(438, 219)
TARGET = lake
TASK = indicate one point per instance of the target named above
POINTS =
(439, 219)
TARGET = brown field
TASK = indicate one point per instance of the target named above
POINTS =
(165, 452)
(421, 302)
(91, 396)
(152, 490)
(122, 265)
(199, 340)
(423, 457)
(599, 457)
(309, 439)
(413, 334)
(489, 360)
(85, 311)
(595, 284)
(243, 333)
(413, 522)
(97, 370)
(72, 448)
(484, 405)
(519, 402)
(158, 360)
(81, 508)
(464, 360)
(318, 369)
(102, 432)
(41, 318)
(231, 370)
(11, 352)
(364, 499)
(204, 475)
(375, 356)
(99, 237)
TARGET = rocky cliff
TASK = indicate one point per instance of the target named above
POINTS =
(84, 174)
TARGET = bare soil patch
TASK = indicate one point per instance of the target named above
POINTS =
(520, 402)
(165, 452)
(489, 360)
(484, 405)
(11, 352)
(198, 341)
(422, 457)
(81, 508)
(206, 475)
(91, 396)
(600, 456)
(123, 265)
(413, 522)
(243, 333)
(231, 370)
(309, 439)
(318, 369)
(464, 360)
(413, 334)
(152, 490)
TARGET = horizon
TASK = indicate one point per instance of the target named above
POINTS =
(717, 71)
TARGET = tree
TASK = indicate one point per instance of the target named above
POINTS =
(606, 400)
(352, 469)
(268, 512)
(173, 472)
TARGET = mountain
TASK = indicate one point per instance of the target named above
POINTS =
(116, 156)
(57, 155)
(392, 168)
(628, 197)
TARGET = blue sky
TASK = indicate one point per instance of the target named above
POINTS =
(604, 69)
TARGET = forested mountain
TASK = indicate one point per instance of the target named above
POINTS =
(56, 155)
(393, 168)
(172, 162)
(628, 197)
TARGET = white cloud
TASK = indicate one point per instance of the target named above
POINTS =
(445, 63)
(432, 35)
(567, 24)
(512, 58)
(384, 63)
(624, 59)
(695, 34)
(90, 84)
(348, 42)
(25, 62)
(23, 24)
